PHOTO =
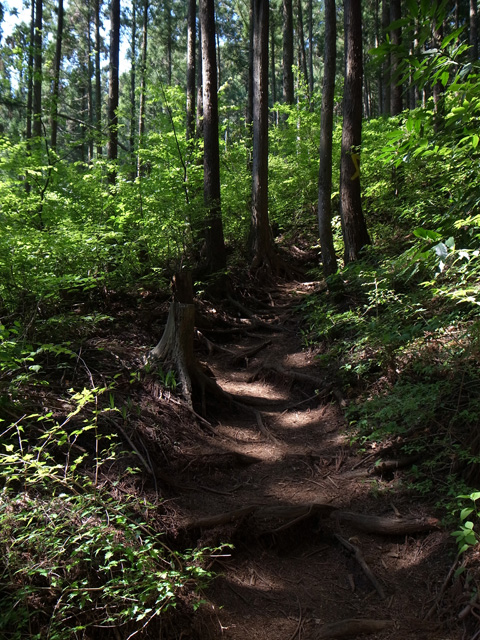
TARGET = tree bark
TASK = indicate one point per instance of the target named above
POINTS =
(37, 70)
(98, 86)
(355, 234)
(89, 81)
(288, 94)
(133, 78)
(329, 259)
(386, 97)
(56, 76)
(30, 75)
(302, 56)
(310, 47)
(396, 102)
(191, 67)
(261, 236)
(214, 241)
(143, 87)
(113, 88)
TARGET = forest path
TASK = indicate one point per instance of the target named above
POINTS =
(289, 575)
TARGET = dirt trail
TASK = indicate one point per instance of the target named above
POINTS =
(289, 577)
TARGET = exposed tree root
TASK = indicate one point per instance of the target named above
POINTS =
(353, 627)
(361, 561)
(386, 525)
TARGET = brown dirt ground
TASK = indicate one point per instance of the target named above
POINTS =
(287, 579)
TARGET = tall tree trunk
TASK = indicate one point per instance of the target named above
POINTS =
(168, 22)
(143, 86)
(377, 44)
(133, 78)
(199, 117)
(261, 236)
(31, 49)
(385, 106)
(396, 105)
(56, 76)
(191, 67)
(98, 85)
(214, 241)
(113, 87)
(329, 259)
(310, 47)
(272, 55)
(288, 94)
(473, 32)
(37, 70)
(89, 81)
(354, 229)
(301, 43)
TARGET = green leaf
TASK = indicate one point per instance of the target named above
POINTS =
(475, 140)
(464, 513)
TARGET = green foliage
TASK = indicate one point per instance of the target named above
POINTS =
(465, 536)
(94, 560)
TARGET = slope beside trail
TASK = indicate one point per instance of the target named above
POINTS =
(266, 478)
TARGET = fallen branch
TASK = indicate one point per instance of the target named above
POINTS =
(385, 525)
(249, 353)
(353, 627)
(361, 561)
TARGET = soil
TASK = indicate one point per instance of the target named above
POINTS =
(274, 465)
(290, 574)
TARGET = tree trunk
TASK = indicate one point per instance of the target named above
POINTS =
(288, 94)
(329, 259)
(31, 49)
(386, 97)
(89, 81)
(354, 229)
(301, 43)
(438, 101)
(214, 241)
(199, 117)
(249, 114)
(143, 87)
(168, 23)
(310, 47)
(56, 76)
(191, 67)
(133, 78)
(37, 71)
(396, 102)
(473, 32)
(272, 58)
(113, 87)
(261, 236)
(98, 86)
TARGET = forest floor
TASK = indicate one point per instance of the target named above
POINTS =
(324, 544)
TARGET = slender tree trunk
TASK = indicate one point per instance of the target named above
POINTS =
(272, 56)
(30, 73)
(56, 76)
(168, 22)
(261, 236)
(354, 229)
(199, 117)
(301, 43)
(89, 82)
(386, 64)
(133, 79)
(438, 102)
(288, 93)
(377, 44)
(143, 86)
(191, 67)
(473, 32)
(113, 87)
(329, 259)
(396, 38)
(98, 85)
(37, 70)
(215, 246)
(310, 47)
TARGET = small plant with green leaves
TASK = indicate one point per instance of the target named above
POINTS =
(466, 536)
